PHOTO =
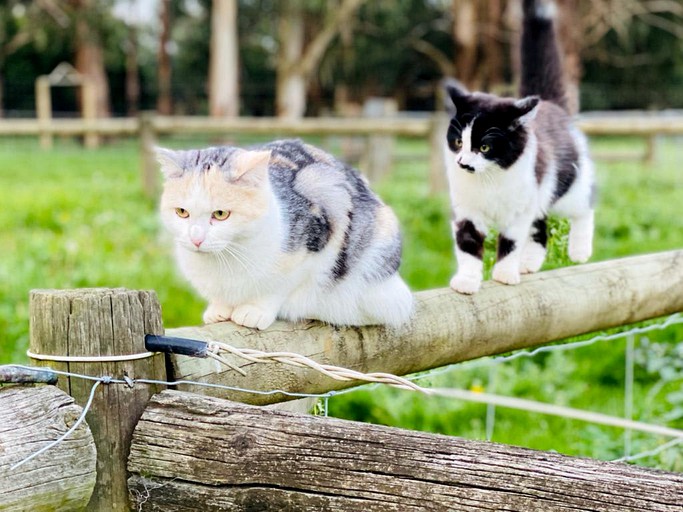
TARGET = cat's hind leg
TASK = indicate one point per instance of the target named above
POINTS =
(581, 237)
(389, 302)
(533, 254)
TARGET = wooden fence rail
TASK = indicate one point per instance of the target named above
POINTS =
(449, 327)
(62, 481)
(199, 453)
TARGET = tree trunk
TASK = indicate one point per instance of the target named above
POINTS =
(224, 60)
(164, 100)
(90, 56)
(290, 99)
(132, 76)
(465, 28)
(569, 36)
(491, 14)
(295, 65)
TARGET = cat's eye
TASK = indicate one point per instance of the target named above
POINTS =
(220, 214)
(182, 213)
(484, 148)
(458, 143)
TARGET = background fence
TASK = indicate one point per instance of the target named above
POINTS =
(375, 156)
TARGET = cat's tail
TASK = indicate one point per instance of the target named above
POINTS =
(542, 73)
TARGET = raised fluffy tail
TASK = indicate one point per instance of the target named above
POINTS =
(541, 61)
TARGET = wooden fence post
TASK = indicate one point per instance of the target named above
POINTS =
(102, 322)
(91, 139)
(379, 152)
(437, 156)
(44, 110)
(149, 167)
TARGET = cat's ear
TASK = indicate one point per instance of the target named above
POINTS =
(250, 167)
(456, 95)
(525, 110)
(172, 162)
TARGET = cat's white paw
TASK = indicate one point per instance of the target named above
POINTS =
(506, 274)
(532, 258)
(217, 312)
(465, 284)
(249, 315)
(579, 252)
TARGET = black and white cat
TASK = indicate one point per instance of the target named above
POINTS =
(511, 162)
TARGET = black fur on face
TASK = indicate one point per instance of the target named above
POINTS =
(499, 133)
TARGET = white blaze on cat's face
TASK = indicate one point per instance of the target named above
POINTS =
(210, 210)
(470, 159)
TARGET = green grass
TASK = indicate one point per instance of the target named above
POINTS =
(77, 218)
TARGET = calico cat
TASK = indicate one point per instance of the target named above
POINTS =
(511, 162)
(283, 231)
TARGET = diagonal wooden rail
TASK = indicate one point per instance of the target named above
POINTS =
(447, 327)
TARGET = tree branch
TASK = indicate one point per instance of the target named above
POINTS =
(315, 51)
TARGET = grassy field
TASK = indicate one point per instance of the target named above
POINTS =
(77, 218)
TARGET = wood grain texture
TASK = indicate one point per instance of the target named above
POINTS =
(62, 478)
(448, 327)
(201, 453)
(102, 322)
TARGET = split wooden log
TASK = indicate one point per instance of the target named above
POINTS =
(61, 478)
(448, 327)
(201, 453)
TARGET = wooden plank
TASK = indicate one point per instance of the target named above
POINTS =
(103, 322)
(199, 453)
(60, 479)
(276, 127)
(448, 327)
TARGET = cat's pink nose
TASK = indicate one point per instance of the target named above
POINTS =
(197, 235)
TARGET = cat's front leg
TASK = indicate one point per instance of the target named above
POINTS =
(511, 242)
(469, 252)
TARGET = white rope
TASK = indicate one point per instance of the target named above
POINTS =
(300, 361)
(89, 359)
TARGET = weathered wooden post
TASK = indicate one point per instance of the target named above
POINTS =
(62, 478)
(437, 156)
(104, 324)
(148, 165)
(91, 139)
(379, 153)
(44, 110)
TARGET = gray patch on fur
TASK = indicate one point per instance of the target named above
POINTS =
(310, 226)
